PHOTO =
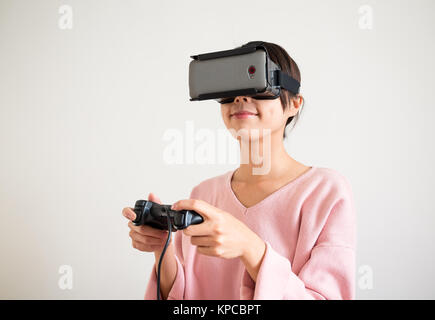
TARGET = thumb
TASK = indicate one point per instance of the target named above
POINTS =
(152, 197)
(205, 209)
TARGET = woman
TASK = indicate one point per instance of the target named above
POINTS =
(288, 233)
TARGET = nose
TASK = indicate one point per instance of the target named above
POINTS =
(242, 98)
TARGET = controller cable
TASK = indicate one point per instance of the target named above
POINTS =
(163, 253)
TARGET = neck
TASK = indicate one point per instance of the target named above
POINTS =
(263, 158)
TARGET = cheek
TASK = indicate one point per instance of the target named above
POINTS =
(272, 114)
(225, 112)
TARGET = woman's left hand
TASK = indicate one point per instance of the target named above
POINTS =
(221, 234)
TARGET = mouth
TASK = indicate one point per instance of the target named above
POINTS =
(244, 114)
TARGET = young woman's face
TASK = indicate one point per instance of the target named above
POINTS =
(247, 113)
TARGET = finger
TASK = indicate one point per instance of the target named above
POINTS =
(208, 251)
(152, 197)
(206, 210)
(148, 231)
(203, 241)
(145, 239)
(144, 247)
(129, 213)
(202, 229)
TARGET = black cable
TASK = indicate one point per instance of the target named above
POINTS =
(163, 253)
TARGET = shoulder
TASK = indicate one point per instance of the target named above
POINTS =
(334, 191)
(332, 179)
(327, 190)
(327, 182)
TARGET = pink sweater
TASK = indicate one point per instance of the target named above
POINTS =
(309, 227)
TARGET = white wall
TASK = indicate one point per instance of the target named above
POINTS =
(83, 112)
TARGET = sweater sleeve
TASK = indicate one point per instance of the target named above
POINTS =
(327, 274)
(178, 287)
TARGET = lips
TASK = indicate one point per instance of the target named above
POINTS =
(244, 113)
(240, 115)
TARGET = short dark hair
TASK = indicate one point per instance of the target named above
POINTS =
(280, 56)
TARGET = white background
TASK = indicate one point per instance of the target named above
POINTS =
(83, 112)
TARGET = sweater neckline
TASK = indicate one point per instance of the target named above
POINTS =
(245, 209)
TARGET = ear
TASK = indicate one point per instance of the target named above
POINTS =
(294, 105)
(297, 101)
(300, 99)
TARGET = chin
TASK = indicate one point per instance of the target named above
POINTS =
(246, 133)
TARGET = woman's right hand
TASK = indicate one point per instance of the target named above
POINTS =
(146, 238)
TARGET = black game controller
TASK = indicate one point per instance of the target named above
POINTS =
(161, 216)
(156, 215)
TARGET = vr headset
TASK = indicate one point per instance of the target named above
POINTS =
(244, 71)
